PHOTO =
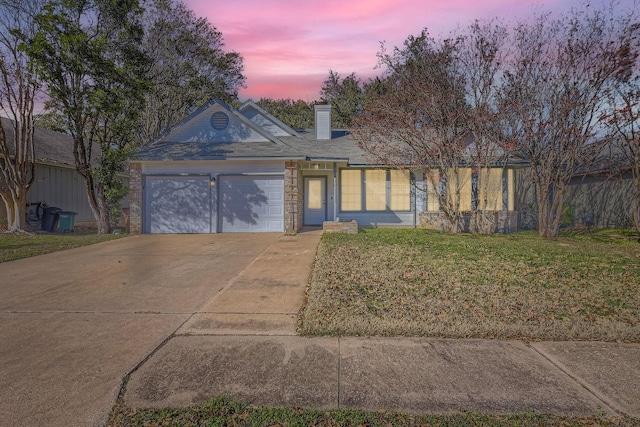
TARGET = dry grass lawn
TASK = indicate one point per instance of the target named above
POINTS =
(385, 282)
(24, 245)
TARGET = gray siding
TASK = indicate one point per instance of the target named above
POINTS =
(603, 201)
(606, 202)
(63, 188)
(525, 199)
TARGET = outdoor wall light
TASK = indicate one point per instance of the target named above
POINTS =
(212, 182)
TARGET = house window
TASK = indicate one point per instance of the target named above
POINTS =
(400, 190)
(377, 190)
(482, 190)
(490, 189)
(459, 184)
(351, 189)
(375, 183)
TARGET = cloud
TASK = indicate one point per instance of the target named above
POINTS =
(289, 44)
(299, 86)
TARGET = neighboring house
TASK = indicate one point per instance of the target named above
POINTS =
(57, 182)
(601, 200)
(598, 196)
(602, 196)
(226, 170)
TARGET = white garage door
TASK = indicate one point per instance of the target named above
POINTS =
(251, 203)
(177, 204)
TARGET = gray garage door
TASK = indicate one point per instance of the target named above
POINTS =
(251, 203)
(177, 204)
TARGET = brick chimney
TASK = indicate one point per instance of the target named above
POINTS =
(323, 121)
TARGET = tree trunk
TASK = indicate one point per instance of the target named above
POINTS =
(636, 200)
(15, 202)
(104, 221)
(8, 206)
(98, 204)
(636, 194)
(19, 221)
(542, 198)
(549, 212)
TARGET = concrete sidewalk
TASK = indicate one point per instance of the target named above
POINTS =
(242, 343)
(405, 374)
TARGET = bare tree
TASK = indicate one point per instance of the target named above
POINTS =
(553, 98)
(421, 121)
(18, 90)
(438, 113)
(623, 117)
(482, 55)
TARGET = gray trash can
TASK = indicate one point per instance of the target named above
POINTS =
(66, 221)
(50, 219)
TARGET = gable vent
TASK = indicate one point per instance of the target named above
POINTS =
(219, 120)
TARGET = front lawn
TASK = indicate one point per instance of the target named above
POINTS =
(16, 246)
(390, 282)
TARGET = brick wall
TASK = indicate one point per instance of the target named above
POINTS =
(135, 198)
(504, 221)
(292, 198)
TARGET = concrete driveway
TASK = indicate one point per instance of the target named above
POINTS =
(73, 323)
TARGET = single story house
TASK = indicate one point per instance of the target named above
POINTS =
(243, 170)
(602, 195)
(57, 183)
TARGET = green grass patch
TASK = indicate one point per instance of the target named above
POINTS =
(223, 411)
(24, 245)
(389, 282)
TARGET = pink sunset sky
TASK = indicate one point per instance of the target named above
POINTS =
(289, 46)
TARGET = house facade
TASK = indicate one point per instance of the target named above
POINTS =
(57, 183)
(227, 170)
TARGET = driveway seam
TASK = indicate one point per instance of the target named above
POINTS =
(585, 385)
(154, 313)
(248, 312)
(196, 335)
(124, 381)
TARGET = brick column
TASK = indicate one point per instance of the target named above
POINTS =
(292, 198)
(135, 198)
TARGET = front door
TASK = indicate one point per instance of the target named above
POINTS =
(315, 200)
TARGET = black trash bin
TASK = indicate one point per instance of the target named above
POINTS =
(50, 219)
